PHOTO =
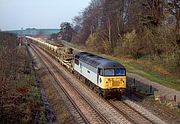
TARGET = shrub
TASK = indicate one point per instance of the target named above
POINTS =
(91, 42)
(99, 42)
(128, 45)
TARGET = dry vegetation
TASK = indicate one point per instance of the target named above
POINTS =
(147, 30)
(58, 102)
(20, 97)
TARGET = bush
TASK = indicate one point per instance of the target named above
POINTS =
(99, 42)
(157, 45)
(91, 42)
(161, 47)
(129, 45)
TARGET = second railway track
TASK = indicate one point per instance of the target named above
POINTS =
(129, 112)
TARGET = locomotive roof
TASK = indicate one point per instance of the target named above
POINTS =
(97, 61)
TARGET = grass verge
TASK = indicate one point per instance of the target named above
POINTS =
(143, 68)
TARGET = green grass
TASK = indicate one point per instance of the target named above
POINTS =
(147, 72)
(168, 81)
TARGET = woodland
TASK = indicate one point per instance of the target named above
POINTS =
(138, 29)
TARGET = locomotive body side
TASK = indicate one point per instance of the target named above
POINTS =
(86, 70)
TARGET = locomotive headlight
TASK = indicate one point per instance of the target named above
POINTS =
(122, 80)
(107, 80)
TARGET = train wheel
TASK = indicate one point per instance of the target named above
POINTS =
(119, 96)
(96, 89)
(105, 94)
(85, 80)
(99, 91)
(87, 83)
(73, 72)
(91, 86)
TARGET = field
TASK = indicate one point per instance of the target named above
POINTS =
(34, 32)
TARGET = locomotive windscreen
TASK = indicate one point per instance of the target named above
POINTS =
(114, 72)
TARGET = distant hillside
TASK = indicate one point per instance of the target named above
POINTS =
(34, 32)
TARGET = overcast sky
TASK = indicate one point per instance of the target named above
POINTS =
(15, 14)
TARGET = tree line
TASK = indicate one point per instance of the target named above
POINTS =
(137, 28)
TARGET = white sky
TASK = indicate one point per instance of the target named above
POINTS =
(15, 14)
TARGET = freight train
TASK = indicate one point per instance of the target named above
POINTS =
(105, 76)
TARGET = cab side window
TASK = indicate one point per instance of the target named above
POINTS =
(76, 61)
(120, 72)
(100, 71)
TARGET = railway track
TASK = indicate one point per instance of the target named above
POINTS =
(131, 114)
(83, 111)
(86, 107)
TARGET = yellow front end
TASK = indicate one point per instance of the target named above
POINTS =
(113, 82)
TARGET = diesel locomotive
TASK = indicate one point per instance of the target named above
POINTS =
(105, 76)
(108, 77)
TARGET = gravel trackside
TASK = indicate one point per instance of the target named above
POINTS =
(162, 91)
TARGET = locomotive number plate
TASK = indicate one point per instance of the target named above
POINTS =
(116, 79)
